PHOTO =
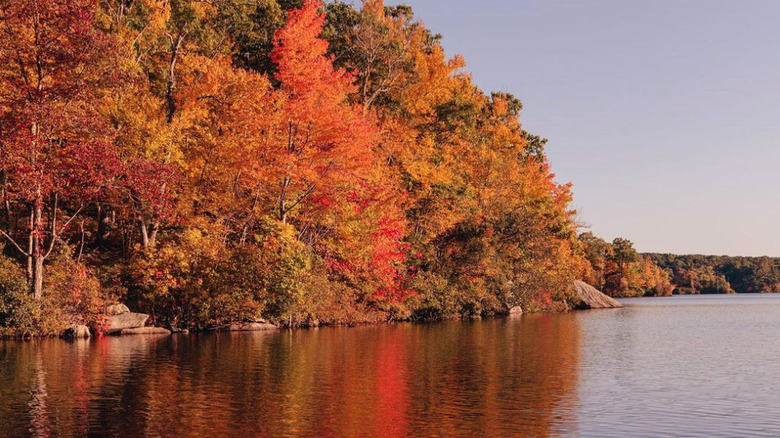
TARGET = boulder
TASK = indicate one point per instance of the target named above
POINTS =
(251, 327)
(144, 331)
(77, 331)
(117, 309)
(515, 311)
(127, 320)
(588, 297)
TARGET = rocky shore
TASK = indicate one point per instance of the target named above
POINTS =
(120, 321)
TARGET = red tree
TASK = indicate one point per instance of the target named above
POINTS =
(324, 145)
(56, 152)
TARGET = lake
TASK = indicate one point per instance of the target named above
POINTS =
(684, 366)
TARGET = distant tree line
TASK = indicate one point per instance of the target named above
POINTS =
(700, 274)
(620, 271)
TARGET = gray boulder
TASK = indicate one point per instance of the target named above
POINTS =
(127, 320)
(515, 311)
(77, 331)
(588, 297)
(117, 309)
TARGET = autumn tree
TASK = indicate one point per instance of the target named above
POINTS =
(618, 270)
(323, 144)
(57, 153)
(283, 159)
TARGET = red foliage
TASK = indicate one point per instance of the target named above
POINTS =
(54, 141)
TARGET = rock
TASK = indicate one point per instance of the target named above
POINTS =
(180, 331)
(588, 297)
(144, 331)
(515, 311)
(77, 331)
(251, 327)
(117, 309)
(127, 320)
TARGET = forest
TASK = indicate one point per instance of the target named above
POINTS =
(620, 271)
(700, 274)
(306, 163)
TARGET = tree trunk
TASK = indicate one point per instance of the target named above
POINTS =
(170, 98)
(36, 285)
(153, 234)
(148, 234)
(103, 222)
(37, 288)
(6, 202)
(30, 248)
(144, 233)
(283, 200)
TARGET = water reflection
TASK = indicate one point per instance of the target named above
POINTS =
(482, 378)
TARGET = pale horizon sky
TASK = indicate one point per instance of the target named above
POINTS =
(664, 114)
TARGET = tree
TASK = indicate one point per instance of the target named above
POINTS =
(323, 144)
(597, 251)
(57, 152)
(376, 43)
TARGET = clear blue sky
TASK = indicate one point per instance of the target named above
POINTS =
(665, 114)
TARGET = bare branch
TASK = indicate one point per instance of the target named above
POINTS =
(25, 253)
(64, 226)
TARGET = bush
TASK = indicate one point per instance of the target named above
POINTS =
(71, 296)
(71, 287)
(197, 280)
(17, 308)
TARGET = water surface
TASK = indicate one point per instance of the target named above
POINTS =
(680, 366)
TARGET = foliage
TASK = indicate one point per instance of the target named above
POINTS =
(695, 274)
(620, 271)
(74, 296)
(213, 162)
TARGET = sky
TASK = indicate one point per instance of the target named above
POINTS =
(664, 114)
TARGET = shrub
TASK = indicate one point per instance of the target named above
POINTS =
(71, 296)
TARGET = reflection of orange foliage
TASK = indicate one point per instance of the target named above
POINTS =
(494, 377)
(392, 398)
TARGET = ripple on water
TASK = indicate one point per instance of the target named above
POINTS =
(681, 366)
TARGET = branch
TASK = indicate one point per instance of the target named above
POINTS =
(25, 253)
(303, 196)
(64, 226)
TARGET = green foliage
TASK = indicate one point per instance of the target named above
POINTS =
(17, 308)
(694, 274)
(251, 25)
(196, 280)
(275, 268)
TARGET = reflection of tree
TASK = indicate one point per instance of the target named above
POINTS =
(491, 377)
(502, 377)
(40, 422)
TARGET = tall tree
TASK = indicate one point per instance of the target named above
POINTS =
(323, 145)
(57, 150)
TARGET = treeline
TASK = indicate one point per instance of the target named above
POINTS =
(216, 161)
(700, 274)
(620, 271)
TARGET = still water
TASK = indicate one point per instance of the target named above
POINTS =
(680, 366)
